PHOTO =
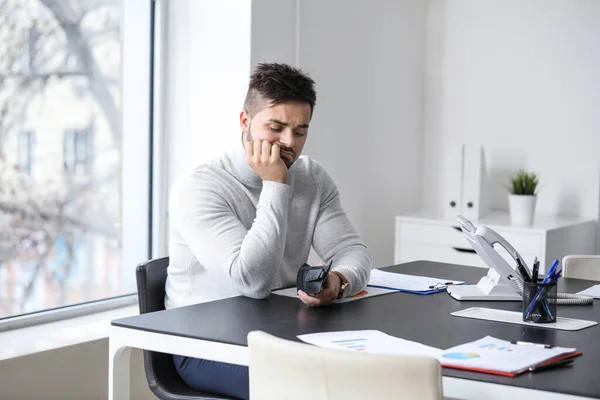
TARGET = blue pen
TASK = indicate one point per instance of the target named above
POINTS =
(547, 278)
(550, 273)
(553, 280)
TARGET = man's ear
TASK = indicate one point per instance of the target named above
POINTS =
(244, 121)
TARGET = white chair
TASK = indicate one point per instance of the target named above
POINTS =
(283, 369)
(582, 267)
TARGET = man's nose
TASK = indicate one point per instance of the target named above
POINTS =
(287, 138)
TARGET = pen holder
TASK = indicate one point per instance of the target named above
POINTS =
(539, 302)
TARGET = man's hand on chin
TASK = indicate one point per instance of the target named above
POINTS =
(327, 295)
(265, 160)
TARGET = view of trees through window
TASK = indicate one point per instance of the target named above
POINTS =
(60, 160)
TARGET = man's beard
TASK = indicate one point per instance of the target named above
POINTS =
(282, 150)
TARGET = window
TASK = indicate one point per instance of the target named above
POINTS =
(26, 151)
(68, 110)
(76, 151)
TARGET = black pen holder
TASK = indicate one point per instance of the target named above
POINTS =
(539, 302)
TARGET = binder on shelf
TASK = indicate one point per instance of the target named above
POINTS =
(453, 180)
(473, 194)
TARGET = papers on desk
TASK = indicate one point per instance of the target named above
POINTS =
(382, 282)
(500, 357)
(369, 341)
(488, 355)
(409, 283)
(363, 294)
(593, 291)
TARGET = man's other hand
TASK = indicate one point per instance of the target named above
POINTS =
(327, 295)
(265, 160)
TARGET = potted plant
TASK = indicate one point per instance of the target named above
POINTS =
(522, 198)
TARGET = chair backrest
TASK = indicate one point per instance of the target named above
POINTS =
(582, 267)
(151, 277)
(284, 369)
(162, 377)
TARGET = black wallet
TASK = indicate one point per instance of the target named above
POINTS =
(310, 279)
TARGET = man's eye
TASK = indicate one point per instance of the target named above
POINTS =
(275, 129)
(299, 134)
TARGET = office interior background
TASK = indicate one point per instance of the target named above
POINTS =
(104, 103)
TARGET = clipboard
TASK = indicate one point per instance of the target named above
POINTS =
(422, 292)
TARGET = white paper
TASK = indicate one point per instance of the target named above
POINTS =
(593, 291)
(370, 341)
(487, 353)
(363, 294)
(499, 355)
(406, 282)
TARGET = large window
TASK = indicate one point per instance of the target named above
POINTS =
(61, 84)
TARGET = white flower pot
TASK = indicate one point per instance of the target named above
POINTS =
(522, 209)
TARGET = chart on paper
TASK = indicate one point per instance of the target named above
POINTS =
(356, 344)
(370, 341)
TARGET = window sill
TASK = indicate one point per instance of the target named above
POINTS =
(54, 335)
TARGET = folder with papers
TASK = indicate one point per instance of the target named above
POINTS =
(501, 357)
(488, 355)
(409, 283)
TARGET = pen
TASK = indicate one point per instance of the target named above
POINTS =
(536, 268)
(523, 271)
(552, 365)
(545, 346)
(441, 285)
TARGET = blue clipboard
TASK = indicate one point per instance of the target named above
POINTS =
(422, 292)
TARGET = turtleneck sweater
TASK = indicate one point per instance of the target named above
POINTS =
(231, 233)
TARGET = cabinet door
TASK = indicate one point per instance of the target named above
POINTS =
(445, 243)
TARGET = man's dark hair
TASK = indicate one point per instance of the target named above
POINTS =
(275, 83)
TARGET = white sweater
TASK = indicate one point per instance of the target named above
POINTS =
(231, 233)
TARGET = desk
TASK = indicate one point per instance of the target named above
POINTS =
(217, 331)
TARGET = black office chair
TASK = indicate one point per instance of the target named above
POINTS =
(163, 379)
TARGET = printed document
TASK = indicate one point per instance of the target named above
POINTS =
(370, 341)
(413, 283)
(363, 294)
(593, 291)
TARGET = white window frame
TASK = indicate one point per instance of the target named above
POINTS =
(142, 129)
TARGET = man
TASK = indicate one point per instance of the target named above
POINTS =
(245, 223)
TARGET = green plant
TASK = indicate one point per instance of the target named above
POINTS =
(524, 183)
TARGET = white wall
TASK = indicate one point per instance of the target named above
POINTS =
(78, 372)
(209, 73)
(367, 58)
(521, 78)
(273, 32)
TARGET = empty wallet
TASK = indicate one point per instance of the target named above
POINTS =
(310, 279)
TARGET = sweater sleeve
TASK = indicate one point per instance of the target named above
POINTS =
(220, 242)
(335, 239)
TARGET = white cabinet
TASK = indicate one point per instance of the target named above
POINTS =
(429, 236)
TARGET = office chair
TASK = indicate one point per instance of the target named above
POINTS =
(283, 369)
(163, 379)
(582, 267)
